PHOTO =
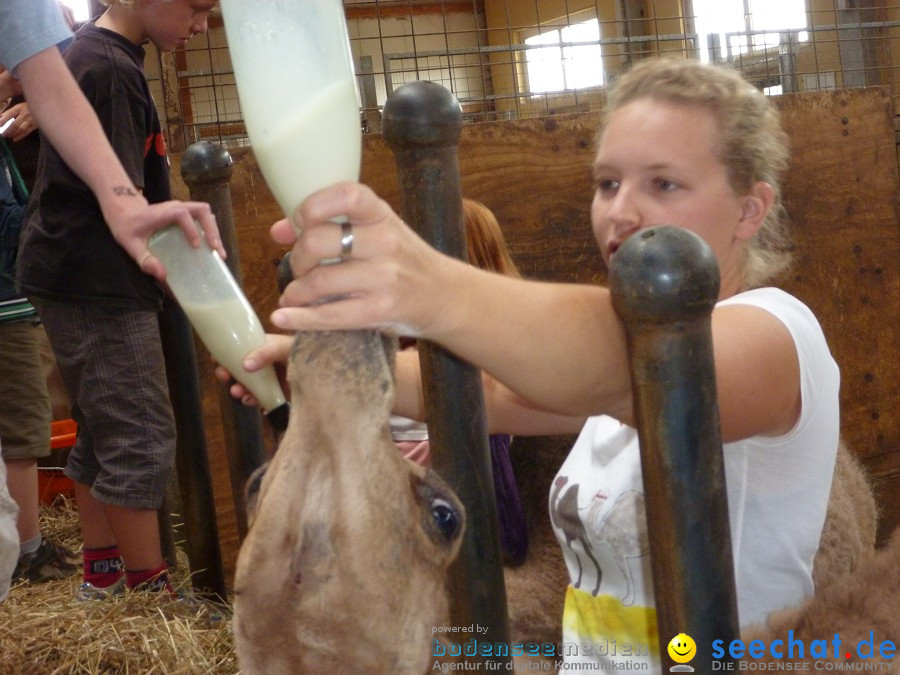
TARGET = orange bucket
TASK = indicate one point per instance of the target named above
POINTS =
(62, 434)
(51, 480)
(52, 483)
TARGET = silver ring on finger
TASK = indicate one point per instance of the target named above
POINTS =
(346, 240)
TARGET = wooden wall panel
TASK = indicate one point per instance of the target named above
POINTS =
(842, 192)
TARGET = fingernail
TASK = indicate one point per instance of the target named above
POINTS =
(250, 364)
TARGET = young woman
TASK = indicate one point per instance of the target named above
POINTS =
(683, 144)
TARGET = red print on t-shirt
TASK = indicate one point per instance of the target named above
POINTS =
(157, 142)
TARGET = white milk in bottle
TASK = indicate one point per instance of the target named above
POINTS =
(217, 309)
(294, 75)
(230, 330)
(316, 146)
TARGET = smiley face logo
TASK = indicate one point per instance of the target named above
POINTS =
(682, 648)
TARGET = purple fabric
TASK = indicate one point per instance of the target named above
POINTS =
(510, 510)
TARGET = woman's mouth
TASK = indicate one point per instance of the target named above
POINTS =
(612, 247)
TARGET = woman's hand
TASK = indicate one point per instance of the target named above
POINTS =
(390, 281)
(275, 352)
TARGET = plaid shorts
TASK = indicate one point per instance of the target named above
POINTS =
(111, 361)
(24, 401)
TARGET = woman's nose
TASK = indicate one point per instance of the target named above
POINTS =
(624, 211)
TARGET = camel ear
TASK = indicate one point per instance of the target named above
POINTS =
(754, 207)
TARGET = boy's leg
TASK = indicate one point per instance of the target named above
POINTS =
(102, 560)
(125, 448)
(95, 530)
(137, 531)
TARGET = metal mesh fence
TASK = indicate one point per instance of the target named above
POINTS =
(507, 59)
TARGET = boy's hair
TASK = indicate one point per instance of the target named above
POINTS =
(485, 244)
(752, 144)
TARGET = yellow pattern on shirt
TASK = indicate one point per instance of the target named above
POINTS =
(604, 620)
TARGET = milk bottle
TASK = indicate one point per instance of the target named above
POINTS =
(297, 90)
(219, 312)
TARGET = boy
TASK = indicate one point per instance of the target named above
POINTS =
(98, 308)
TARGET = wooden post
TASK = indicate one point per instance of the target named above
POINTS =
(664, 283)
(192, 467)
(422, 122)
(206, 170)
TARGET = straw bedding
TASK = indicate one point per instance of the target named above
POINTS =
(44, 630)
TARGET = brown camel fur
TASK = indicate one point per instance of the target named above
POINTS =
(850, 522)
(861, 605)
(343, 569)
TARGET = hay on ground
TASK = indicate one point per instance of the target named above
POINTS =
(43, 629)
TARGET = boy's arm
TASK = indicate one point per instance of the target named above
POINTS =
(72, 127)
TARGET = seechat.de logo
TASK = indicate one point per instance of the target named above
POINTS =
(682, 649)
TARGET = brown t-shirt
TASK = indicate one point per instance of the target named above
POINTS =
(67, 252)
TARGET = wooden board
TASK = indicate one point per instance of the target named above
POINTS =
(841, 190)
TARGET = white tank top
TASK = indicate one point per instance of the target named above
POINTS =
(778, 490)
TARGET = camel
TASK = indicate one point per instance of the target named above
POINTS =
(564, 515)
(344, 565)
(615, 529)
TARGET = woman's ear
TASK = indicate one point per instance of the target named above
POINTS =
(756, 205)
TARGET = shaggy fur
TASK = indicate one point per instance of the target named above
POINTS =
(850, 523)
(860, 605)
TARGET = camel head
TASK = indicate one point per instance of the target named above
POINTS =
(344, 566)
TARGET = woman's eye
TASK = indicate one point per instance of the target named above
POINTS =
(664, 185)
(605, 184)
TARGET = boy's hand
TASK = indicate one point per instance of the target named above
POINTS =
(132, 221)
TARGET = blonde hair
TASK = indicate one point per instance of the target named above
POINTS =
(752, 144)
(484, 240)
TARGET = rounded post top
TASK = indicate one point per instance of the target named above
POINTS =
(663, 274)
(421, 114)
(204, 161)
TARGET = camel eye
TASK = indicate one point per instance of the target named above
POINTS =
(251, 490)
(445, 517)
